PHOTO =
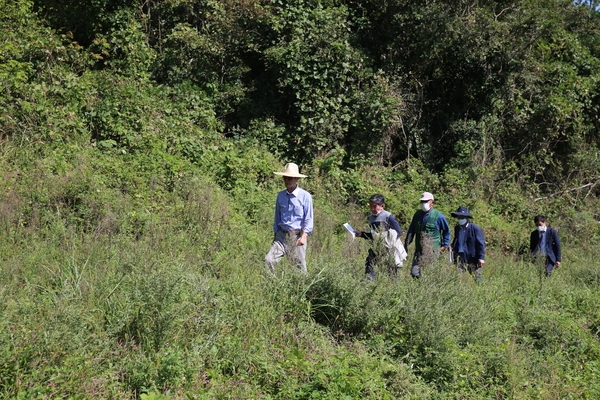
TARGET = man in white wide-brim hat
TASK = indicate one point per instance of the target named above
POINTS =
(293, 221)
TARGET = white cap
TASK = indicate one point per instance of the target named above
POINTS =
(426, 196)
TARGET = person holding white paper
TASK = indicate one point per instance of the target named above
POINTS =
(387, 231)
(350, 229)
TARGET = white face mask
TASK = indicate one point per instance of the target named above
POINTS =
(462, 221)
(425, 207)
(542, 228)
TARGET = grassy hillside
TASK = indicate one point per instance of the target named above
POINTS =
(137, 193)
(119, 279)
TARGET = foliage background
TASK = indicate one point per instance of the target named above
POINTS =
(138, 141)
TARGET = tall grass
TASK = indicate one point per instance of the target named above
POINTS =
(102, 296)
(89, 315)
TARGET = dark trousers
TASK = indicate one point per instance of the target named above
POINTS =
(548, 264)
(370, 263)
(549, 267)
(420, 260)
(474, 269)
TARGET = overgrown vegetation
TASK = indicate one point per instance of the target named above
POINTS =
(138, 141)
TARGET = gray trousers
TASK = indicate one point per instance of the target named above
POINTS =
(474, 269)
(419, 260)
(285, 245)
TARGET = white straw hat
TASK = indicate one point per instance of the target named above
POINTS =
(290, 170)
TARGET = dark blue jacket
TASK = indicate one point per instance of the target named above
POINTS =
(552, 244)
(475, 243)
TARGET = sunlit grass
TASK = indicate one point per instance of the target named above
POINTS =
(176, 301)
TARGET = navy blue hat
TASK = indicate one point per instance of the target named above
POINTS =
(461, 212)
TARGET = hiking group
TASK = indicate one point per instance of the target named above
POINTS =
(429, 229)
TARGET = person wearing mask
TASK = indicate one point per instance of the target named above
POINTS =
(431, 232)
(386, 229)
(468, 244)
(293, 221)
(545, 243)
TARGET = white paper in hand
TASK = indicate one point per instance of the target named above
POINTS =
(350, 229)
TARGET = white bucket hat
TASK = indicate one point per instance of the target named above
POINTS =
(290, 170)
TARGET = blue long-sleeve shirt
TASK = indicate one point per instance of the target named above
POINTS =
(294, 211)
